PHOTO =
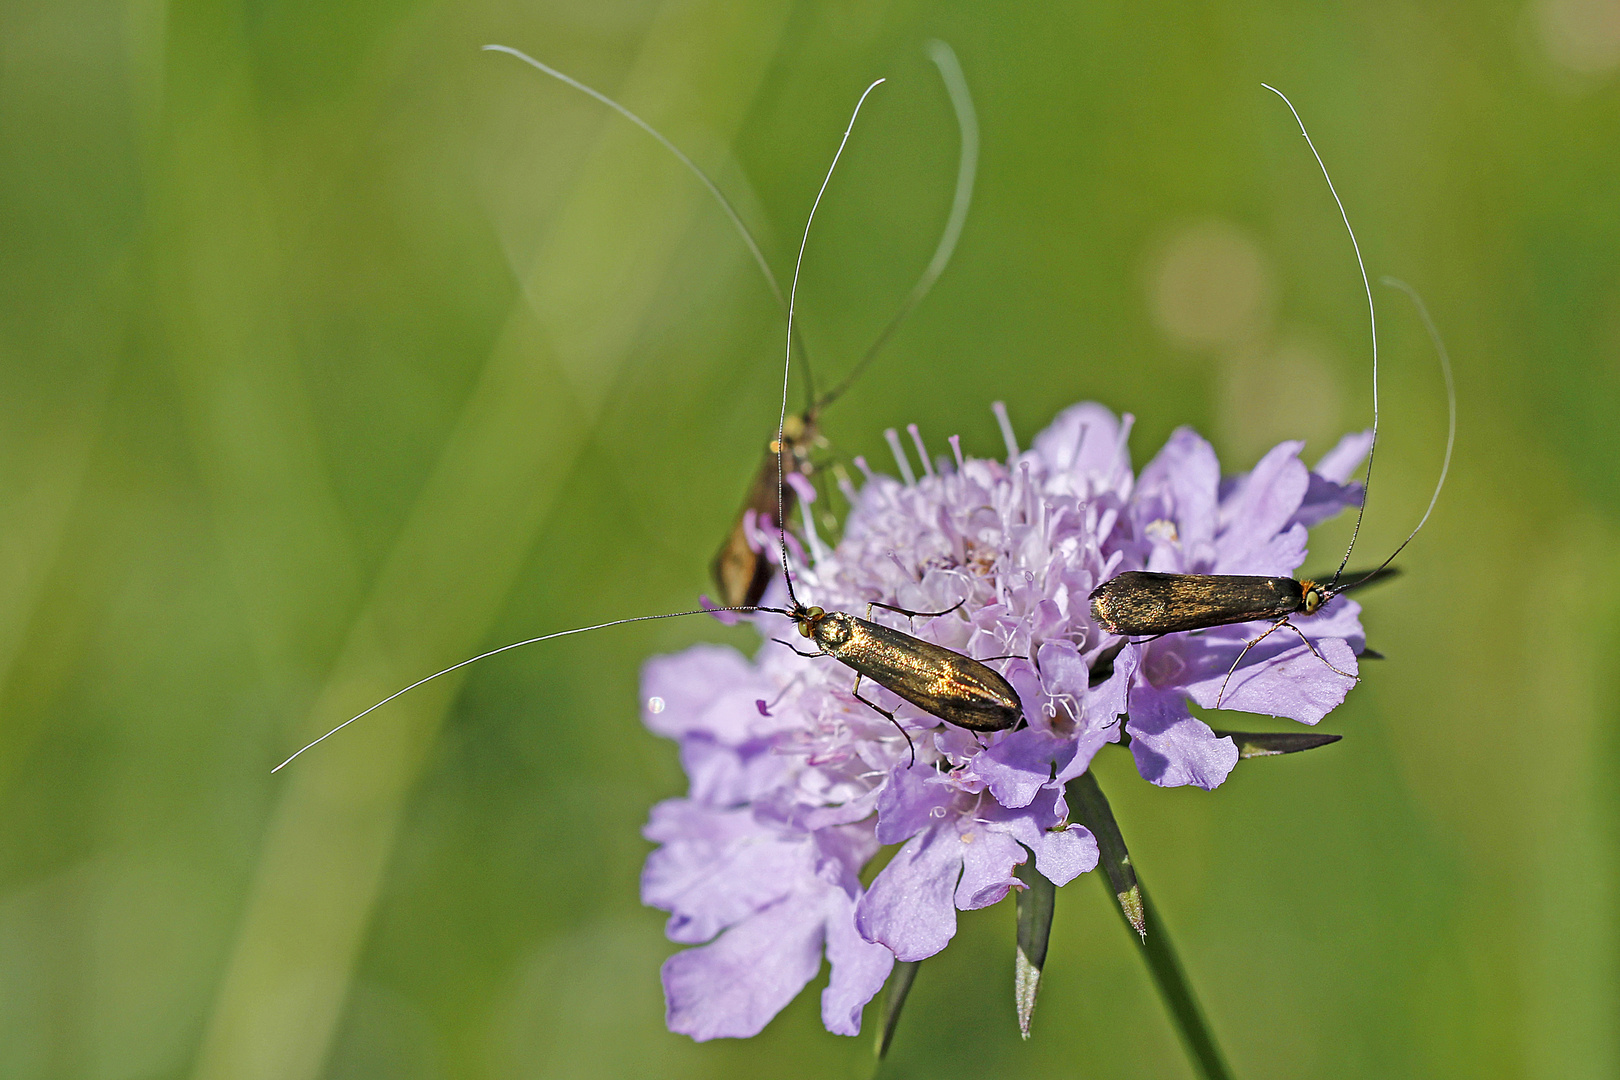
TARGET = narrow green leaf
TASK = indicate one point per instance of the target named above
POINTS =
(1035, 903)
(1252, 744)
(1087, 799)
(894, 999)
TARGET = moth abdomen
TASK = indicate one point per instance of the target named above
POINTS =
(1141, 603)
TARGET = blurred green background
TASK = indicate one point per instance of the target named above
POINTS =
(335, 350)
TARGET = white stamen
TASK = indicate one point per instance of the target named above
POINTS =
(922, 451)
(1007, 436)
(893, 438)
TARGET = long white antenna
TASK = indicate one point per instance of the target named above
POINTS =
(967, 169)
(1372, 318)
(703, 177)
(492, 652)
(1451, 411)
(787, 364)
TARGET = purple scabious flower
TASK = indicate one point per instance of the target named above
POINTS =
(795, 784)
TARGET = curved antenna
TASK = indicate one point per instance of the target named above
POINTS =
(1451, 416)
(703, 177)
(506, 648)
(967, 167)
(787, 363)
(1372, 318)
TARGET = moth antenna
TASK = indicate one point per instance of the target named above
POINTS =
(1451, 414)
(787, 363)
(506, 648)
(703, 177)
(1372, 318)
(967, 169)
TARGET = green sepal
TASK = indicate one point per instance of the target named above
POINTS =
(1252, 744)
(1086, 798)
(1035, 902)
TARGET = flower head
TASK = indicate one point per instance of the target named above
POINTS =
(796, 783)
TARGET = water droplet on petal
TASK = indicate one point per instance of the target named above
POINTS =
(655, 705)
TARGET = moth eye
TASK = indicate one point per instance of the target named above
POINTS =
(815, 614)
(804, 629)
(1313, 599)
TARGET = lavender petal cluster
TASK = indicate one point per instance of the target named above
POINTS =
(796, 785)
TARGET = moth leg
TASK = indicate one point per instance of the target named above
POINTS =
(1318, 655)
(1279, 624)
(801, 652)
(887, 715)
(1275, 627)
(908, 613)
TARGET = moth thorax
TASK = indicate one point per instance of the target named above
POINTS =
(832, 631)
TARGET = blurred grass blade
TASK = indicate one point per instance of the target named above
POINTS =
(1095, 814)
(1035, 903)
(1272, 743)
(894, 999)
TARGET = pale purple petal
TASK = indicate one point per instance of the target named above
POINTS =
(909, 908)
(856, 809)
(1279, 556)
(707, 688)
(722, 776)
(1062, 851)
(841, 852)
(1182, 485)
(715, 868)
(1292, 682)
(1259, 508)
(1063, 669)
(1064, 854)
(1325, 499)
(859, 968)
(910, 802)
(734, 986)
(987, 861)
(1082, 445)
(1340, 463)
(1020, 765)
(1172, 747)
(1109, 700)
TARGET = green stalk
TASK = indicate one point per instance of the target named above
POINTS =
(1147, 929)
(894, 999)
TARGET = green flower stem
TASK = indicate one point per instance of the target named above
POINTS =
(1148, 929)
(894, 999)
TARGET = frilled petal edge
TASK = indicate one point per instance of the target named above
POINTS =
(859, 968)
(1172, 747)
(734, 986)
(909, 906)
